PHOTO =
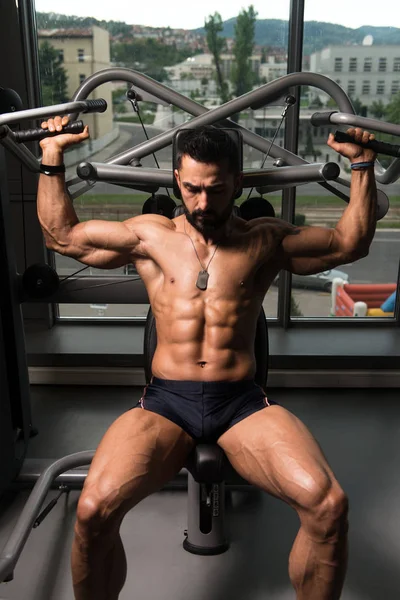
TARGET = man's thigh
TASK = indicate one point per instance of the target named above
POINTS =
(275, 451)
(139, 453)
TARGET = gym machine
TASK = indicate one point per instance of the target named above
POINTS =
(208, 472)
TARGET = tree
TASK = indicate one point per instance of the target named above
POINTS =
(242, 75)
(331, 103)
(309, 146)
(148, 55)
(216, 44)
(263, 55)
(359, 107)
(295, 308)
(53, 77)
(392, 113)
(378, 109)
(118, 100)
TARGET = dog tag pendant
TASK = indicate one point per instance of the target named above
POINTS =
(202, 280)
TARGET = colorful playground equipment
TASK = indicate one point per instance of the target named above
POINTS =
(361, 299)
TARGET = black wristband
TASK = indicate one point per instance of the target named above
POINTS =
(361, 166)
(52, 170)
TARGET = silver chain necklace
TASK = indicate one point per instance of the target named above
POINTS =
(202, 277)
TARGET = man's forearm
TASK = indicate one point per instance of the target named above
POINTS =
(55, 210)
(358, 222)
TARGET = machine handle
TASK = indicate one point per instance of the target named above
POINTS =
(375, 145)
(31, 135)
(98, 106)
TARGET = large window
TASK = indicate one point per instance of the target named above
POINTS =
(366, 88)
(380, 88)
(395, 87)
(338, 64)
(351, 87)
(312, 295)
(176, 54)
(352, 65)
(367, 64)
(179, 59)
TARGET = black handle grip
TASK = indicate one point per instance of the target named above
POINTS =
(375, 145)
(31, 135)
(320, 119)
(97, 106)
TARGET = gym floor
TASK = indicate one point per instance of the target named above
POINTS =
(359, 432)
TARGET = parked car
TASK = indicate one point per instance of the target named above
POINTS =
(318, 281)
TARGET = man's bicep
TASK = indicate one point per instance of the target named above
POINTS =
(312, 250)
(101, 244)
(310, 241)
(105, 235)
(311, 265)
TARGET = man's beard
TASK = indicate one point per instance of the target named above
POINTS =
(212, 221)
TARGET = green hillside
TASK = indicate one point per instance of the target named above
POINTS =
(317, 35)
(269, 32)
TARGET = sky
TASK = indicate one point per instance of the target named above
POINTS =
(190, 15)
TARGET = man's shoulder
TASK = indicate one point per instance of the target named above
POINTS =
(271, 225)
(150, 222)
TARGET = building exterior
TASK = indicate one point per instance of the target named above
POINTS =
(312, 140)
(202, 65)
(367, 72)
(84, 52)
(228, 61)
(195, 67)
(272, 69)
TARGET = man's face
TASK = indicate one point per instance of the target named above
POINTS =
(208, 192)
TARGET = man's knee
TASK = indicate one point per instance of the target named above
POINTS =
(95, 516)
(328, 516)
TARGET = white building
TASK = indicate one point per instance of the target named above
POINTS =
(197, 67)
(202, 65)
(228, 61)
(367, 72)
(195, 77)
(265, 122)
(272, 70)
(84, 52)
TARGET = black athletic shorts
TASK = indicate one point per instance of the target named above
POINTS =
(205, 410)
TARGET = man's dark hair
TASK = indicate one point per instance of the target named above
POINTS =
(208, 145)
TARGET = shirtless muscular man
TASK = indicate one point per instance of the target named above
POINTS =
(206, 273)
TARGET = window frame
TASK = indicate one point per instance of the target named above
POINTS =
(382, 65)
(338, 62)
(283, 312)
